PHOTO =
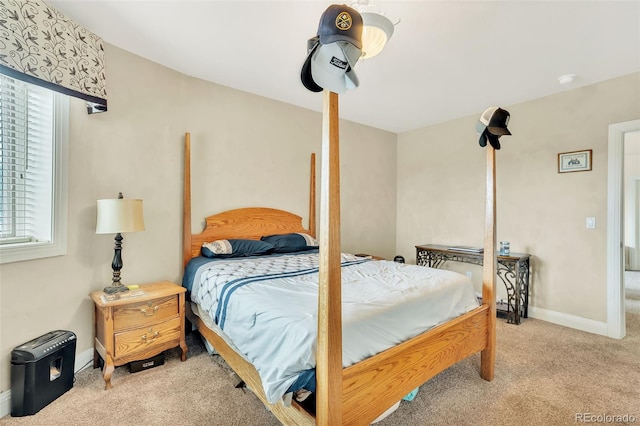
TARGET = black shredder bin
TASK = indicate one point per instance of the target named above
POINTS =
(41, 371)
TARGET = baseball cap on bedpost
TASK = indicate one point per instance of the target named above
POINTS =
(487, 135)
(331, 69)
(340, 22)
(305, 75)
(491, 125)
(496, 120)
(493, 139)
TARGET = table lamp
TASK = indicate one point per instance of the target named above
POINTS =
(117, 216)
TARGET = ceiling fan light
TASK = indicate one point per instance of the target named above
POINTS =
(376, 32)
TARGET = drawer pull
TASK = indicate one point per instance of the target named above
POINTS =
(144, 311)
(155, 336)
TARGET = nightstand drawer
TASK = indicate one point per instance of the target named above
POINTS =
(147, 338)
(144, 313)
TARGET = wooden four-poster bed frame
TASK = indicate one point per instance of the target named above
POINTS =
(358, 394)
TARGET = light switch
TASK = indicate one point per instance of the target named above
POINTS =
(591, 223)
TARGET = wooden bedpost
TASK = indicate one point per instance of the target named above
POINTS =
(186, 202)
(329, 355)
(488, 355)
(312, 197)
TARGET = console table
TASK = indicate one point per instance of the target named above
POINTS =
(513, 271)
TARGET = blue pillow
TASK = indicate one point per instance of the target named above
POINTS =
(236, 248)
(289, 243)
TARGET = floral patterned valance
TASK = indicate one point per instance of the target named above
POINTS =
(40, 46)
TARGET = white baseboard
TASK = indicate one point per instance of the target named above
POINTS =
(83, 360)
(571, 321)
(5, 403)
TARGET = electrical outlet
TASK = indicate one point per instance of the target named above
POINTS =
(469, 274)
(591, 223)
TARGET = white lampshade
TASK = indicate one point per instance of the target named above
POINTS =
(119, 215)
(376, 31)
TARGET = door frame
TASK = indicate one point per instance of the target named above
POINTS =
(616, 324)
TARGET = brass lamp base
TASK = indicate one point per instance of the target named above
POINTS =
(112, 289)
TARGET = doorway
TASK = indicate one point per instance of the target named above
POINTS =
(616, 323)
(632, 222)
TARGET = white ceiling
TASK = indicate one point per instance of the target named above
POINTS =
(446, 59)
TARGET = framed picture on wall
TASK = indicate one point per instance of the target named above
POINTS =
(575, 161)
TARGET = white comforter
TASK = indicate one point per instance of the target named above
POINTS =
(273, 322)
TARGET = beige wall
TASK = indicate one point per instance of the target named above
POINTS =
(441, 191)
(247, 151)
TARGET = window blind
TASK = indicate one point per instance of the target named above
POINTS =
(26, 162)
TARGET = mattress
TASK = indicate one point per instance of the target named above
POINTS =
(266, 307)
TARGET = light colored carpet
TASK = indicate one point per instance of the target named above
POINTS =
(545, 375)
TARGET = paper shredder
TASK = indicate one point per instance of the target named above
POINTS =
(41, 371)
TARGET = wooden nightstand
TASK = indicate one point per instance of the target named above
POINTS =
(135, 328)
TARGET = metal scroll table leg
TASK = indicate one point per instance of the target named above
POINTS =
(524, 265)
(517, 293)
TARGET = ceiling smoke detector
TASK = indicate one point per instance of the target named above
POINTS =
(566, 79)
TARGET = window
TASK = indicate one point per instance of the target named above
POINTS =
(33, 171)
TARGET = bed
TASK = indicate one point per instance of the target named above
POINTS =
(359, 390)
(266, 306)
